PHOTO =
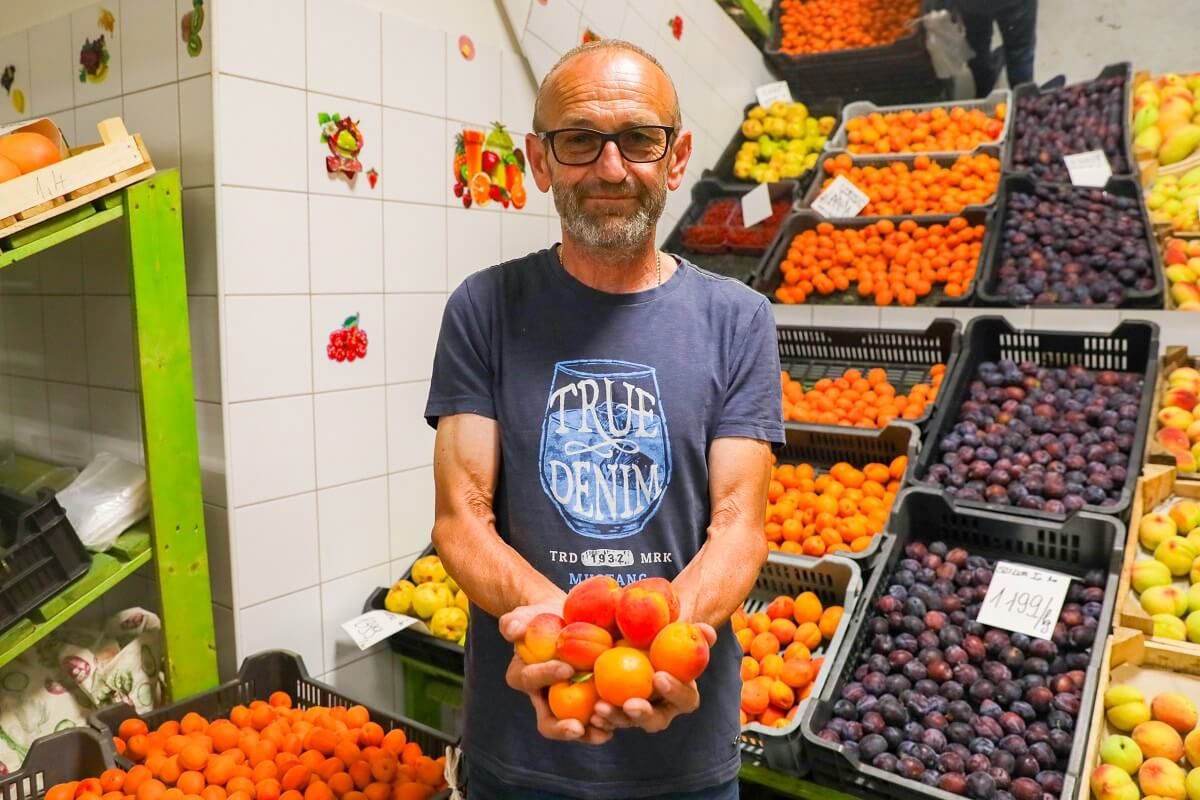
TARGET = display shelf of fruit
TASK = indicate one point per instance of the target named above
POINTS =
(911, 361)
(1181, 262)
(1156, 594)
(906, 261)
(1175, 426)
(1044, 422)
(1166, 122)
(918, 184)
(924, 700)
(1049, 124)
(832, 489)
(933, 129)
(782, 142)
(1174, 202)
(789, 629)
(1143, 739)
(1062, 245)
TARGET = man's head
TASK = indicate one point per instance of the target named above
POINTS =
(611, 203)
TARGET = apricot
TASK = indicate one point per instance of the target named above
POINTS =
(830, 618)
(797, 673)
(781, 607)
(739, 620)
(755, 698)
(594, 600)
(763, 645)
(807, 608)
(750, 668)
(541, 638)
(573, 699)
(808, 635)
(784, 630)
(745, 636)
(581, 643)
(759, 623)
(782, 696)
(645, 608)
(797, 650)
(681, 650)
(771, 665)
(623, 673)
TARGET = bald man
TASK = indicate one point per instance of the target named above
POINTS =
(602, 408)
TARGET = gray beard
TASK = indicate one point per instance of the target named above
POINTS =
(610, 232)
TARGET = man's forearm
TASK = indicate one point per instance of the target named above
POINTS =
(717, 582)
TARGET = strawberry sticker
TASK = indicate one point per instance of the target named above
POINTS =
(675, 23)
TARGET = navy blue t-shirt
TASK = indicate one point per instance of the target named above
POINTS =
(607, 405)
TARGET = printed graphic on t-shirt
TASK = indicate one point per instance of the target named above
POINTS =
(605, 457)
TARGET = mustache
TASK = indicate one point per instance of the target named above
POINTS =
(604, 189)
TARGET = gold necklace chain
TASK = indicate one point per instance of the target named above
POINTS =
(658, 265)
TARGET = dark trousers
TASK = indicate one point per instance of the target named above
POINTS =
(1018, 31)
(483, 785)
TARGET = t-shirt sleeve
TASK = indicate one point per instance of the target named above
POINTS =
(754, 400)
(462, 365)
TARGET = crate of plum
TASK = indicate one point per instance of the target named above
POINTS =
(1062, 245)
(794, 621)
(926, 700)
(934, 129)
(832, 489)
(711, 233)
(1046, 422)
(1052, 123)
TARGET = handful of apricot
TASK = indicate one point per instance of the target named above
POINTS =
(861, 401)
(778, 667)
(615, 639)
(267, 750)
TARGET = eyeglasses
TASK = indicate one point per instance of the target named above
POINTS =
(577, 147)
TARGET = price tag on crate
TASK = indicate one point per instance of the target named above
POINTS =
(1024, 599)
(1088, 169)
(373, 627)
(841, 199)
(777, 92)
(756, 205)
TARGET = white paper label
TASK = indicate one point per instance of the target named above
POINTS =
(1088, 169)
(841, 199)
(1024, 599)
(772, 93)
(756, 205)
(374, 626)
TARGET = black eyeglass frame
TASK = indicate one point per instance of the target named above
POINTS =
(605, 138)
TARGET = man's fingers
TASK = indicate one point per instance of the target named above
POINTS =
(683, 697)
(514, 623)
(536, 677)
(609, 717)
(710, 633)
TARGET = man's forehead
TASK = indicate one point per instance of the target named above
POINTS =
(617, 83)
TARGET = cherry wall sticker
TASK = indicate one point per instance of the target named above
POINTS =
(347, 343)
(488, 167)
(675, 23)
(345, 141)
(190, 27)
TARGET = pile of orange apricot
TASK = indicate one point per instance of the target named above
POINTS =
(822, 26)
(928, 130)
(778, 667)
(926, 187)
(857, 400)
(267, 750)
(838, 512)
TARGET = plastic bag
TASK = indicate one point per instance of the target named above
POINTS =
(108, 496)
(946, 41)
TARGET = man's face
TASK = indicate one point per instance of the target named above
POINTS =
(610, 204)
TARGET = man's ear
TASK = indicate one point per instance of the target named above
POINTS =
(538, 156)
(680, 154)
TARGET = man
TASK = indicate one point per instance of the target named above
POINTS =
(602, 408)
(1017, 20)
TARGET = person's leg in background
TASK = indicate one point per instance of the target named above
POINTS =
(1018, 29)
(979, 37)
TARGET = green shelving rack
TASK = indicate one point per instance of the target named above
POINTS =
(173, 536)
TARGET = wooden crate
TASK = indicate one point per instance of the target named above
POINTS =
(1150, 665)
(1175, 356)
(1157, 485)
(85, 175)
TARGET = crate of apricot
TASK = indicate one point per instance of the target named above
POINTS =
(789, 628)
(68, 763)
(929, 128)
(272, 733)
(865, 378)
(832, 489)
(904, 261)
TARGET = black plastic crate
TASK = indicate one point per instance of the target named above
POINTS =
(1084, 542)
(41, 553)
(809, 353)
(840, 140)
(769, 277)
(742, 266)
(1027, 90)
(62, 757)
(987, 276)
(1131, 347)
(723, 169)
(414, 644)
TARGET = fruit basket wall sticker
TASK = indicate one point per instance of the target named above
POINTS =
(345, 141)
(488, 168)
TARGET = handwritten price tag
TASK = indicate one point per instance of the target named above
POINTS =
(1088, 169)
(373, 627)
(756, 205)
(1024, 599)
(841, 199)
(772, 93)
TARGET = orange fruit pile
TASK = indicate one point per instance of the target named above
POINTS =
(925, 188)
(930, 130)
(854, 399)
(778, 667)
(837, 512)
(822, 26)
(265, 751)
(887, 261)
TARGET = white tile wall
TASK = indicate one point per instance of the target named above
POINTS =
(414, 247)
(409, 438)
(291, 622)
(14, 51)
(348, 425)
(271, 450)
(200, 240)
(51, 81)
(196, 131)
(411, 50)
(329, 312)
(413, 322)
(343, 55)
(244, 50)
(149, 28)
(70, 423)
(411, 500)
(109, 325)
(265, 246)
(269, 355)
(342, 600)
(473, 87)
(252, 106)
(371, 679)
(345, 240)
(418, 146)
(353, 526)
(268, 531)
(116, 422)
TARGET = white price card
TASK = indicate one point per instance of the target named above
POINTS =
(773, 92)
(841, 199)
(1088, 169)
(373, 627)
(1024, 599)
(756, 205)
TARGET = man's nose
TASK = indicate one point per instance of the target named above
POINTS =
(611, 165)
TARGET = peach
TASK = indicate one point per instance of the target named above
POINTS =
(624, 673)
(1177, 552)
(1183, 374)
(781, 607)
(1156, 528)
(1180, 398)
(1158, 740)
(680, 649)
(1162, 777)
(1173, 438)
(1176, 710)
(1185, 461)
(1186, 515)
(1110, 782)
(1178, 418)
(594, 601)
(541, 639)
(645, 608)
(581, 643)
(1193, 431)
(1191, 746)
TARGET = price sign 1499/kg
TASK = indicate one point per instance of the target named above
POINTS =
(1024, 599)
